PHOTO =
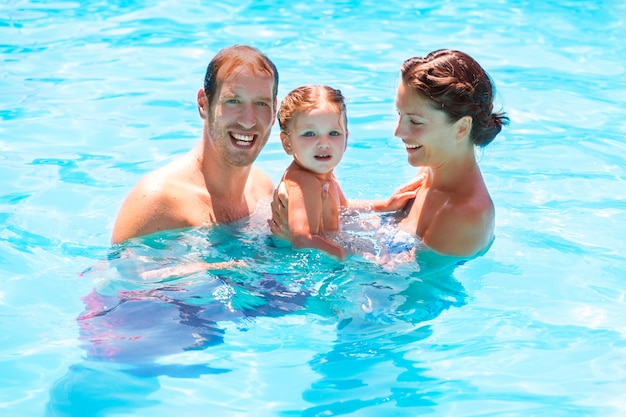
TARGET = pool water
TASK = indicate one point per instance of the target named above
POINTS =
(94, 95)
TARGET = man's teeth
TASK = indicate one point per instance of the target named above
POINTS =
(243, 139)
(412, 146)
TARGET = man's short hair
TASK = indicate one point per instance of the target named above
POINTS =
(234, 57)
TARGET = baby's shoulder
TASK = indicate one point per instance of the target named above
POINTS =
(301, 178)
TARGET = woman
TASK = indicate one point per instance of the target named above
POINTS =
(445, 108)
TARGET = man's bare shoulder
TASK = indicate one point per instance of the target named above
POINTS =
(155, 203)
(165, 183)
(155, 186)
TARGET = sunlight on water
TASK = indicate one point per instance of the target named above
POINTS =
(227, 321)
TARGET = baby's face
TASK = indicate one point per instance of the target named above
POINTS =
(318, 139)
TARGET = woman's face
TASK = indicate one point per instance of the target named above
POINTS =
(426, 132)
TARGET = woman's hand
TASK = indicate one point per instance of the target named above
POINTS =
(402, 195)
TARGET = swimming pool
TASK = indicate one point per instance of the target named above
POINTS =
(96, 94)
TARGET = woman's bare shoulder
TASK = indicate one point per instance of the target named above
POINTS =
(463, 228)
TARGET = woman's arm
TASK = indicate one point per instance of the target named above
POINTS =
(396, 201)
(279, 225)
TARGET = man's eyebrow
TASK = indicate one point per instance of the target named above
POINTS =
(235, 94)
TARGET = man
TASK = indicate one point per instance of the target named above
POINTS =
(215, 182)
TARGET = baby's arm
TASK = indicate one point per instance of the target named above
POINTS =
(305, 214)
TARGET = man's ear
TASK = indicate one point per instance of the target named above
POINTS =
(274, 112)
(464, 127)
(286, 141)
(203, 102)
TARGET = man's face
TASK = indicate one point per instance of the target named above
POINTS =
(241, 116)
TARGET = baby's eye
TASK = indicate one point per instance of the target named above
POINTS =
(309, 134)
(335, 133)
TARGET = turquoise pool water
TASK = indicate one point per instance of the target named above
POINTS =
(94, 94)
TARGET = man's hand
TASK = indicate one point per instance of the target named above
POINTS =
(279, 223)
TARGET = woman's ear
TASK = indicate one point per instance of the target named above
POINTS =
(464, 127)
(202, 103)
(286, 141)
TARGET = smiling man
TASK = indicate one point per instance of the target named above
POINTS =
(215, 182)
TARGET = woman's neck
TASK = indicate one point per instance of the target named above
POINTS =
(453, 174)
